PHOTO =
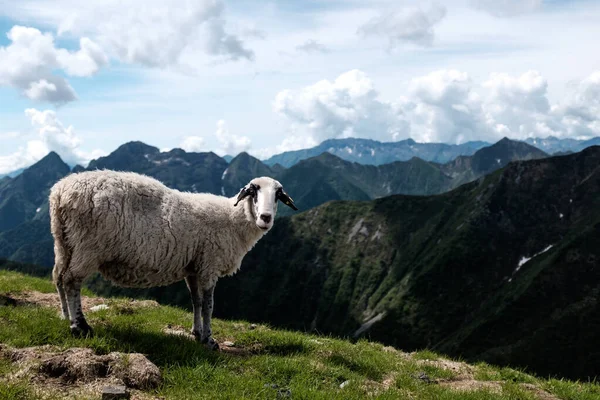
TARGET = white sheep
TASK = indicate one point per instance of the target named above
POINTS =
(138, 233)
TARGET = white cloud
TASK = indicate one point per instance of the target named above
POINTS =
(406, 25)
(230, 144)
(52, 136)
(154, 33)
(29, 63)
(346, 107)
(442, 106)
(193, 144)
(312, 46)
(507, 8)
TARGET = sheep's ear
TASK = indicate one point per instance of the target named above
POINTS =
(244, 192)
(286, 199)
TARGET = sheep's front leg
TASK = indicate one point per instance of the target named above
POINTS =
(192, 284)
(207, 309)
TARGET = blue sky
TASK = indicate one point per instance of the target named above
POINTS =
(230, 76)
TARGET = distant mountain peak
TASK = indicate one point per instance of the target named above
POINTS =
(137, 147)
(51, 161)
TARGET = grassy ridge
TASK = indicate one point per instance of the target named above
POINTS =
(266, 363)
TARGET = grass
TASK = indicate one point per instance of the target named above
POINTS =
(268, 364)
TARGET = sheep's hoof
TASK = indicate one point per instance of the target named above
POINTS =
(211, 343)
(81, 329)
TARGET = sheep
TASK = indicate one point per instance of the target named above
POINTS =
(137, 232)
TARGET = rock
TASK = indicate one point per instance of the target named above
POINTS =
(252, 326)
(423, 377)
(344, 384)
(115, 393)
(99, 307)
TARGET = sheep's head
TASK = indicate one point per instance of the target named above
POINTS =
(262, 194)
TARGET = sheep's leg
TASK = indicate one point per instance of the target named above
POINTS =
(58, 281)
(207, 309)
(79, 326)
(192, 284)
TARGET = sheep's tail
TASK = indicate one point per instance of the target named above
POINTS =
(62, 251)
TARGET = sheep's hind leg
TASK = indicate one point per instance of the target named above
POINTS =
(207, 309)
(192, 284)
(58, 281)
(79, 326)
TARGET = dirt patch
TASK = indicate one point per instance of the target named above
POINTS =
(539, 393)
(52, 300)
(469, 385)
(463, 379)
(225, 346)
(80, 369)
(461, 370)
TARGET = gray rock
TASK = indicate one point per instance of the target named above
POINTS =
(115, 393)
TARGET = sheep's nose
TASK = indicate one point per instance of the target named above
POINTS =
(266, 218)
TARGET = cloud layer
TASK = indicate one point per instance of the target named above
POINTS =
(29, 63)
(443, 106)
(156, 34)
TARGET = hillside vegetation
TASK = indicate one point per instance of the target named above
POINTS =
(258, 362)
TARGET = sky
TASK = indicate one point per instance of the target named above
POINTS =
(82, 78)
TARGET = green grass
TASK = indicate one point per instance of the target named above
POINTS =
(270, 362)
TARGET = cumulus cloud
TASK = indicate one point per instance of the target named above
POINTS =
(192, 144)
(52, 136)
(312, 46)
(29, 63)
(157, 34)
(346, 107)
(507, 8)
(230, 144)
(407, 25)
(442, 106)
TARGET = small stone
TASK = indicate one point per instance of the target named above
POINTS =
(344, 384)
(252, 326)
(228, 344)
(424, 377)
(99, 307)
(115, 393)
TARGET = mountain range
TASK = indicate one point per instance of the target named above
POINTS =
(372, 152)
(24, 221)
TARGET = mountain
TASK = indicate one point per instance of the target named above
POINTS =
(504, 269)
(195, 172)
(23, 196)
(372, 152)
(489, 159)
(241, 170)
(326, 177)
(553, 145)
(311, 182)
